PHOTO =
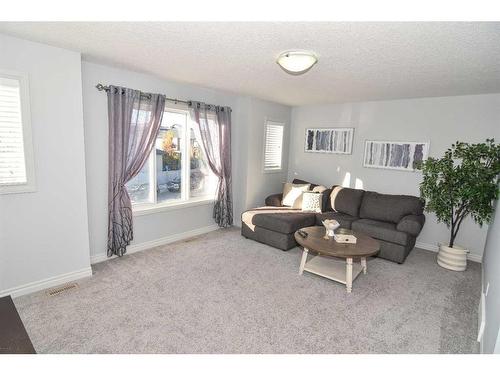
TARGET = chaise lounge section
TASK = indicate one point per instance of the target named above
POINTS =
(394, 220)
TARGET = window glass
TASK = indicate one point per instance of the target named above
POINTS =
(172, 174)
(138, 188)
(203, 181)
(169, 150)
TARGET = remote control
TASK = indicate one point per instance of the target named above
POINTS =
(302, 233)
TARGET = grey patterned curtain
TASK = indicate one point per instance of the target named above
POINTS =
(214, 125)
(134, 122)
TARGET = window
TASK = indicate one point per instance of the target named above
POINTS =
(273, 147)
(177, 170)
(17, 173)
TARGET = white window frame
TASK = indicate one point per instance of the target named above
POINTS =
(29, 161)
(266, 123)
(140, 209)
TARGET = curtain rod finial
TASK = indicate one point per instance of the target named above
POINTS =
(99, 87)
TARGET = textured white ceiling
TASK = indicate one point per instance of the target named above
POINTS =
(357, 61)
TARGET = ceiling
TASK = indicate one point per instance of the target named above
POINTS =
(357, 61)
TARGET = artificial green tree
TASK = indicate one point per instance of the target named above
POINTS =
(463, 182)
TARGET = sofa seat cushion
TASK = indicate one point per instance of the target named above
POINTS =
(388, 207)
(278, 219)
(344, 220)
(411, 224)
(380, 230)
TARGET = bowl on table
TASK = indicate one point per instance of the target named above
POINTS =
(330, 226)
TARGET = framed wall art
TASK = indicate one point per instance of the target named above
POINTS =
(403, 156)
(329, 140)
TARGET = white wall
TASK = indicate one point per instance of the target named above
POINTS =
(240, 145)
(155, 226)
(442, 121)
(45, 234)
(259, 183)
(491, 277)
(253, 182)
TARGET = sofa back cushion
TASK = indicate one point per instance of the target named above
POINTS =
(345, 200)
(389, 208)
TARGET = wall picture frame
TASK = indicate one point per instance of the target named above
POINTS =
(329, 140)
(395, 155)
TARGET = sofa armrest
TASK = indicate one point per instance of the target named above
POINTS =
(274, 200)
(411, 224)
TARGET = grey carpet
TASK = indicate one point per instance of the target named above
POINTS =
(221, 293)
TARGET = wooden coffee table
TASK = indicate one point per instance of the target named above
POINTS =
(326, 250)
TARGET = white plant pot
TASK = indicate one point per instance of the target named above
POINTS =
(452, 258)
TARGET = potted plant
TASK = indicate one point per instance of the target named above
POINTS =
(463, 182)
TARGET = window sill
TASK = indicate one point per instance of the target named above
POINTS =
(272, 170)
(17, 189)
(147, 209)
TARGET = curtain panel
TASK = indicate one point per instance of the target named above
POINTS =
(134, 122)
(214, 126)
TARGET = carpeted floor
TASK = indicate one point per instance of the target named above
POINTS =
(221, 293)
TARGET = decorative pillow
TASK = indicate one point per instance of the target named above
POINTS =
(319, 189)
(312, 202)
(287, 186)
(292, 194)
(333, 196)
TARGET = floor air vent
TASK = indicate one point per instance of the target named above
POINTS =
(61, 289)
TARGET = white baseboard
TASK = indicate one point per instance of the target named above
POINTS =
(87, 272)
(434, 248)
(158, 242)
(481, 320)
(46, 283)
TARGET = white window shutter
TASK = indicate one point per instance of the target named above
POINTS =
(273, 146)
(12, 160)
(17, 167)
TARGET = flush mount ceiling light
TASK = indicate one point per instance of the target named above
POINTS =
(296, 62)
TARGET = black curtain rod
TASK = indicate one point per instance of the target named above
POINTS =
(101, 87)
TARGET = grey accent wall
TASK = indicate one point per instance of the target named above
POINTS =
(44, 234)
(441, 121)
(491, 277)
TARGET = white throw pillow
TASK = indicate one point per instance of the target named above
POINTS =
(311, 202)
(293, 197)
(287, 186)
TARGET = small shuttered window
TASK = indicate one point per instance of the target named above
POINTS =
(16, 164)
(273, 148)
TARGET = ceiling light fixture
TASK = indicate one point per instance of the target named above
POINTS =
(296, 62)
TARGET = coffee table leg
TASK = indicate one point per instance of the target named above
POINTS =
(363, 264)
(303, 261)
(348, 278)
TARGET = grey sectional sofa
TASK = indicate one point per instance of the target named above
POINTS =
(394, 220)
